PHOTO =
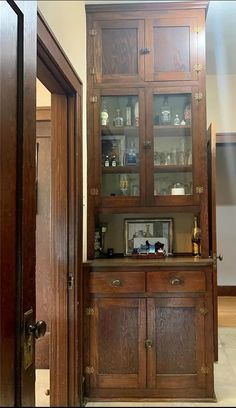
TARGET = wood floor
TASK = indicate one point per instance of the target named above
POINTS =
(227, 311)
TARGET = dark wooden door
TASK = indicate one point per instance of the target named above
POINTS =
(177, 359)
(172, 40)
(17, 103)
(211, 152)
(117, 351)
(117, 47)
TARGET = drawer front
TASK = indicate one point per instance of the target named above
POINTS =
(117, 282)
(176, 281)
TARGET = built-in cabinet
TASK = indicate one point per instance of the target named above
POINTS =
(149, 323)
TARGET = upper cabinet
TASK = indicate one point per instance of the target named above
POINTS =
(159, 46)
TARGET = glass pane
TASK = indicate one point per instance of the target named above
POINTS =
(119, 120)
(172, 144)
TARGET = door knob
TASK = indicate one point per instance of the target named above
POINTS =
(38, 329)
(220, 257)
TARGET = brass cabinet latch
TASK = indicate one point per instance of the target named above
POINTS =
(92, 32)
(197, 29)
(94, 191)
(93, 99)
(204, 370)
(89, 311)
(198, 68)
(203, 311)
(148, 343)
(145, 50)
(198, 96)
(89, 370)
(199, 189)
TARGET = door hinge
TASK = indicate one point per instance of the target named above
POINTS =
(89, 370)
(92, 71)
(70, 281)
(203, 311)
(199, 190)
(93, 99)
(204, 370)
(94, 191)
(92, 32)
(197, 29)
(89, 311)
(198, 96)
(198, 67)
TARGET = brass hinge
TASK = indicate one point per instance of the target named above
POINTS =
(94, 191)
(92, 32)
(198, 96)
(70, 281)
(199, 189)
(203, 311)
(89, 311)
(89, 370)
(197, 29)
(204, 370)
(93, 99)
(198, 67)
(92, 71)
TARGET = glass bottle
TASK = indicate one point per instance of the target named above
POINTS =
(165, 112)
(196, 238)
(131, 157)
(104, 115)
(176, 120)
(114, 160)
(128, 113)
(136, 113)
(118, 120)
(106, 161)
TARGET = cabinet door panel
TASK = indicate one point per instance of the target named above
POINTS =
(173, 44)
(177, 358)
(117, 344)
(117, 45)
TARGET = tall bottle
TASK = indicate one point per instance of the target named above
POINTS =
(165, 112)
(128, 113)
(196, 238)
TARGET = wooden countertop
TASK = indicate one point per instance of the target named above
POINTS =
(171, 261)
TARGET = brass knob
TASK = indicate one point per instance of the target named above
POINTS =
(116, 283)
(148, 343)
(147, 144)
(38, 329)
(145, 50)
(176, 281)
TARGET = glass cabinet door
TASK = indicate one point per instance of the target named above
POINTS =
(173, 147)
(119, 138)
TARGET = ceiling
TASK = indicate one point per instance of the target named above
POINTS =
(220, 34)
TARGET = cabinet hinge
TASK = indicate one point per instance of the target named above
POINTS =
(214, 257)
(89, 311)
(204, 370)
(199, 190)
(94, 191)
(92, 71)
(203, 311)
(197, 29)
(93, 99)
(89, 370)
(92, 32)
(198, 96)
(198, 67)
(70, 281)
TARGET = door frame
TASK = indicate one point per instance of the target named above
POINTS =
(55, 71)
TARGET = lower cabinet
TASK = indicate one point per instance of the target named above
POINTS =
(150, 345)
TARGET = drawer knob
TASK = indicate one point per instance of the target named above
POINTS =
(176, 281)
(116, 283)
(148, 343)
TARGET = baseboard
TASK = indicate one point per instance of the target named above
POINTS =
(226, 290)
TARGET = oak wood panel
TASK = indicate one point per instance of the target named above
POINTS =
(226, 137)
(129, 282)
(173, 281)
(43, 113)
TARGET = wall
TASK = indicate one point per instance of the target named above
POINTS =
(43, 96)
(67, 20)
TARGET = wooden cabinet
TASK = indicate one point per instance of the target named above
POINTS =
(152, 339)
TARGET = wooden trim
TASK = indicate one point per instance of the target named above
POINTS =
(147, 7)
(43, 114)
(58, 75)
(226, 290)
(226, 137)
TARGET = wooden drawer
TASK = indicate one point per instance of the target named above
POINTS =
(176, 281)
(117, 282)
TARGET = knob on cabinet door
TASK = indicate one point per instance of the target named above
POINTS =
(38, 329)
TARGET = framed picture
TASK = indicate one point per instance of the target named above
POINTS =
(115, 144)
(138, 231)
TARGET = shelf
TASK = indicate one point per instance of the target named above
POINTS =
(123, 130)
(172, 130)
(120, 169)
(173, 169)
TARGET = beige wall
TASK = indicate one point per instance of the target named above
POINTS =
(43, 96)
(67, 20)
(221, 102)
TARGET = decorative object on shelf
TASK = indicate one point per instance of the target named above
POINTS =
(104, 115)
(114, 145)
(131, 156)
(128, 112)
(176, 120)
(165, 112)
(188, 114)
(136, 113)
(124, 184)
(158, 230)
(106, 161)
(118, 120)
(178, 189)
(196, 238)
(150, 249)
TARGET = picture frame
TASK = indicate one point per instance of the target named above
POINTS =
(115, 143)
(138, 231)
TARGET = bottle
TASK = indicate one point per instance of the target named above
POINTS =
(131, 157)
(106, 161)
(196, 239)
(118, 121)
(114, 161)
(128, 113)
(176, 120)
(165, 112)
(136, 113)
(104, 115)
